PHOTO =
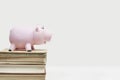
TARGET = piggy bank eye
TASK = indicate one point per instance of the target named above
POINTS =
(42, 27)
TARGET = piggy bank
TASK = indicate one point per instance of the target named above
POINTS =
(27, 37)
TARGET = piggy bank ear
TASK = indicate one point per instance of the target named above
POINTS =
(37, 29)
(42, 27)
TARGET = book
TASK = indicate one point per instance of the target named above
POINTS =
(24, 60)
(23, 57)
(22, 69)
(23, 65)
(22, 72)
(21, 77)
(33, 53)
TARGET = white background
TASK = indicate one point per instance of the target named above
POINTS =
(85, 32)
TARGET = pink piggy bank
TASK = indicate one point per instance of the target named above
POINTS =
(26, 38)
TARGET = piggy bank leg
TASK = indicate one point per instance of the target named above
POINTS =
(33, 48)
(28, 47)
(12, 47)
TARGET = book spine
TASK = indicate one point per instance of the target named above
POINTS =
(22, 77)
(7, 55)
(22, 59)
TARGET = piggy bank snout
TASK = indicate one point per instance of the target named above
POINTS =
(48, 36)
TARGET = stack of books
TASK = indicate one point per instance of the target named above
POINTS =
(22, 65)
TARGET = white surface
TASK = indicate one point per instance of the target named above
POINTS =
(84, 73)
(85, 32)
